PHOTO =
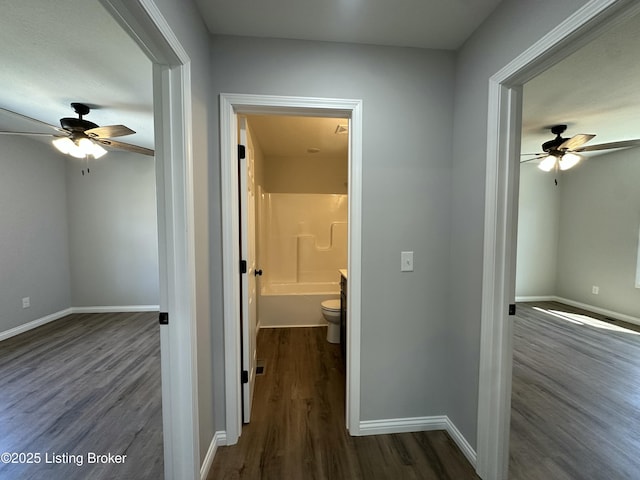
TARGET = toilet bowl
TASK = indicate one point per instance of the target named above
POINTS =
(331, 313)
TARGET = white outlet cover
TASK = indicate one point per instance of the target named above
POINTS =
(406, 261)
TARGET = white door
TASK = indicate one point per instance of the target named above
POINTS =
(248, 283)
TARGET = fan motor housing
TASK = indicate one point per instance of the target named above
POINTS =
(552, 145)
(76, 124)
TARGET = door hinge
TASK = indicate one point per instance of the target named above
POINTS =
(512, 309)
(163, 318)
(245, 376)
(243, 266)
(241, 152)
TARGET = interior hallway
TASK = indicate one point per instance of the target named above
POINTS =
(297, 425)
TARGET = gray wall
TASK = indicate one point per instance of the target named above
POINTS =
(34, 252)
(407, 117)
(429, 321)
(582, 232)
(509, 31)
(68, 240)
(598, 244)
(113, 234)
(538, 231)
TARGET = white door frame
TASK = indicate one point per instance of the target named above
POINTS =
(143, 21)
(501, 204)
(230, 106)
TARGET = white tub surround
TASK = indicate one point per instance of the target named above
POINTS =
(303, 244)
(295, 304)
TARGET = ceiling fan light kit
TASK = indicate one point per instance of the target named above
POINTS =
(81, 138)
(560, 153)
(564, 162)
(79, 148)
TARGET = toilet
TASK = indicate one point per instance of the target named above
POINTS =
(331, 313)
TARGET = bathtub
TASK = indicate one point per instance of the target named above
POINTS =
(294, 304)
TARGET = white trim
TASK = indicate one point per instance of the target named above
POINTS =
(116, 309)
(503, 136)
(34, 324)
(403, 425)
(602, 311)
(462, 443)
(174, 179)
(219, 440)
(536, 298)
(69, 311)
(230, 106)
(420, 424)
(313, 325)
(585, 306)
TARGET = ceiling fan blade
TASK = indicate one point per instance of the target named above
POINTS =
(575, 141)
(33, 120)
(536, 154)
(125, 146)
(608, 146)
(539, 157)
(109, 131)
(8, 132)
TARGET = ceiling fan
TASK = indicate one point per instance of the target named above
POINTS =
(81, 138)
(562, 152)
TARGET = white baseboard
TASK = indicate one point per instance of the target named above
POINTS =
(402, 425)
(68, 311)
(34, 324)
(294, 326)
(585, 306)
(419, 424)
(461, 442)
(537, 298)
(601, 311)
(116, 309)
(219, 439)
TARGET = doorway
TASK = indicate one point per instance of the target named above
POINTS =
(503, 138)
(294, 229)
(232, 105)
(173, 119)
(573, 270)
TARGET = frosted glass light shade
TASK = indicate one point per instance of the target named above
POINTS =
(547, 163)
(64, 145)
(83, 148)
(569, 160)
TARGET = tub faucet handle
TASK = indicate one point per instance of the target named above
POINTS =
(257, 272)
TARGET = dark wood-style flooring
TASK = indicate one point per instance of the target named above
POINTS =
(576, 398)
(297, 429)
(85, 383)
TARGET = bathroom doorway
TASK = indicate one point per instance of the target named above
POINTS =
(350, 113)
(294, 180)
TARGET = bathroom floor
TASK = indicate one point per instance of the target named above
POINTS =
(297, 427)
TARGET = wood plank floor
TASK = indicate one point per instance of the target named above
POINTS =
(576, 398)
(297, 428)
(84, 383)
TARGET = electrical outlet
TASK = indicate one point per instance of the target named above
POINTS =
(26, 302)
(595, 290)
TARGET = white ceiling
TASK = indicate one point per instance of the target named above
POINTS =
(595, 91)
(441, 24)
(55, 53)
